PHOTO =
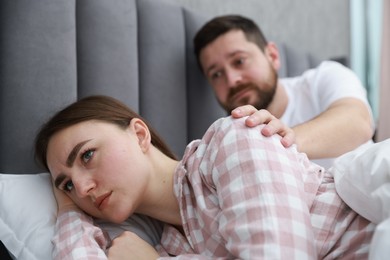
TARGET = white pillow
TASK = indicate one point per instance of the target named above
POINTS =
(362, 179)
(27, 215)
(28, 212)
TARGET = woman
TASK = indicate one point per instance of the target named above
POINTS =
(234, 194)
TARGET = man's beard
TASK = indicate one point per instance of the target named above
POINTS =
(263, 96)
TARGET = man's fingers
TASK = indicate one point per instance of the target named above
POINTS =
(242, 111)
(288, 139)
(275, 126)
(262, 117)
(272, 124)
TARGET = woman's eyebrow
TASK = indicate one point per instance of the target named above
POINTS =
(69, 161)
(72, 155)
(59, 180)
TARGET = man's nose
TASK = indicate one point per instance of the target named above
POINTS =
(233, 78)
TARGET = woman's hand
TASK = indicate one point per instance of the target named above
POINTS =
(63, 200)
(262, 116)
(130, 246)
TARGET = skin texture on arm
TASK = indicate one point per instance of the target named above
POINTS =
(130, 246)
(345, 125)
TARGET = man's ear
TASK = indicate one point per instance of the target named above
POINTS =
(142, 132)
(272, 53)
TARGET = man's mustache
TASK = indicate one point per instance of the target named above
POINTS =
(239, 88)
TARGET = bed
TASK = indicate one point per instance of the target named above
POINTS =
(54, 52)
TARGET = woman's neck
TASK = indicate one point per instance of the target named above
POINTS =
(160, 202)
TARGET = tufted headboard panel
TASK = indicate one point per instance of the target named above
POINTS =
(53, 52)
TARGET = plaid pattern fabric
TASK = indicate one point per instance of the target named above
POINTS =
(78, 238)
(245, 196)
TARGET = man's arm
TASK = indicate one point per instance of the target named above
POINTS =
(345, 125)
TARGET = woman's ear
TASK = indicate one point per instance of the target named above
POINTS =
(142, 132)
(272, 53)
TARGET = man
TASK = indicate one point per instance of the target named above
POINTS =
(326, 107)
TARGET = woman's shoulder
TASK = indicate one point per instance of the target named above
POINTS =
(229, 128)
(226, 124)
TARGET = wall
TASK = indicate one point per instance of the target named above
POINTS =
(320, 27)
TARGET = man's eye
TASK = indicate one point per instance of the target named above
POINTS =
(68, 186)
(216, 75)
(240, 61)
(86, 156)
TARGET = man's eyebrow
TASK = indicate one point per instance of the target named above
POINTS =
(210, 69)
(72, 155)
(233, 53)
(229, 55)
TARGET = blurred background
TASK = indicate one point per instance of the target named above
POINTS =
(356, 32)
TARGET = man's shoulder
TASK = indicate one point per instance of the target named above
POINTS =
(331, 65)
(323, 67)
(326, 70)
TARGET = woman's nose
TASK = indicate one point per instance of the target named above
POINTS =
(83, 185)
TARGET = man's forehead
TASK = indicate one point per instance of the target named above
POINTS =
(224, 50)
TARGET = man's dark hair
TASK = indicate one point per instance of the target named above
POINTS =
(223, 24)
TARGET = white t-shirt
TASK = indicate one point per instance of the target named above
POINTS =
(315, 90)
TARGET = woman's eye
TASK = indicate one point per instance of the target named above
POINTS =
(68, 186)
(86, 156)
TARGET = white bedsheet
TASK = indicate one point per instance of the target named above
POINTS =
(362, 179)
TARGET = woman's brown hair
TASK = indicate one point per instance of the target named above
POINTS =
(101, 108)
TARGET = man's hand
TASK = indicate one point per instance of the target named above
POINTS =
(130, 246)
(273, 125)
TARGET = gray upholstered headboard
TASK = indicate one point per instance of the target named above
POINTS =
(53, 52)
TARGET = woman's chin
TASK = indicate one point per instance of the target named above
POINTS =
(118, 218)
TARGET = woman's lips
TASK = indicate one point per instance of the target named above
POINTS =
(102, 200)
